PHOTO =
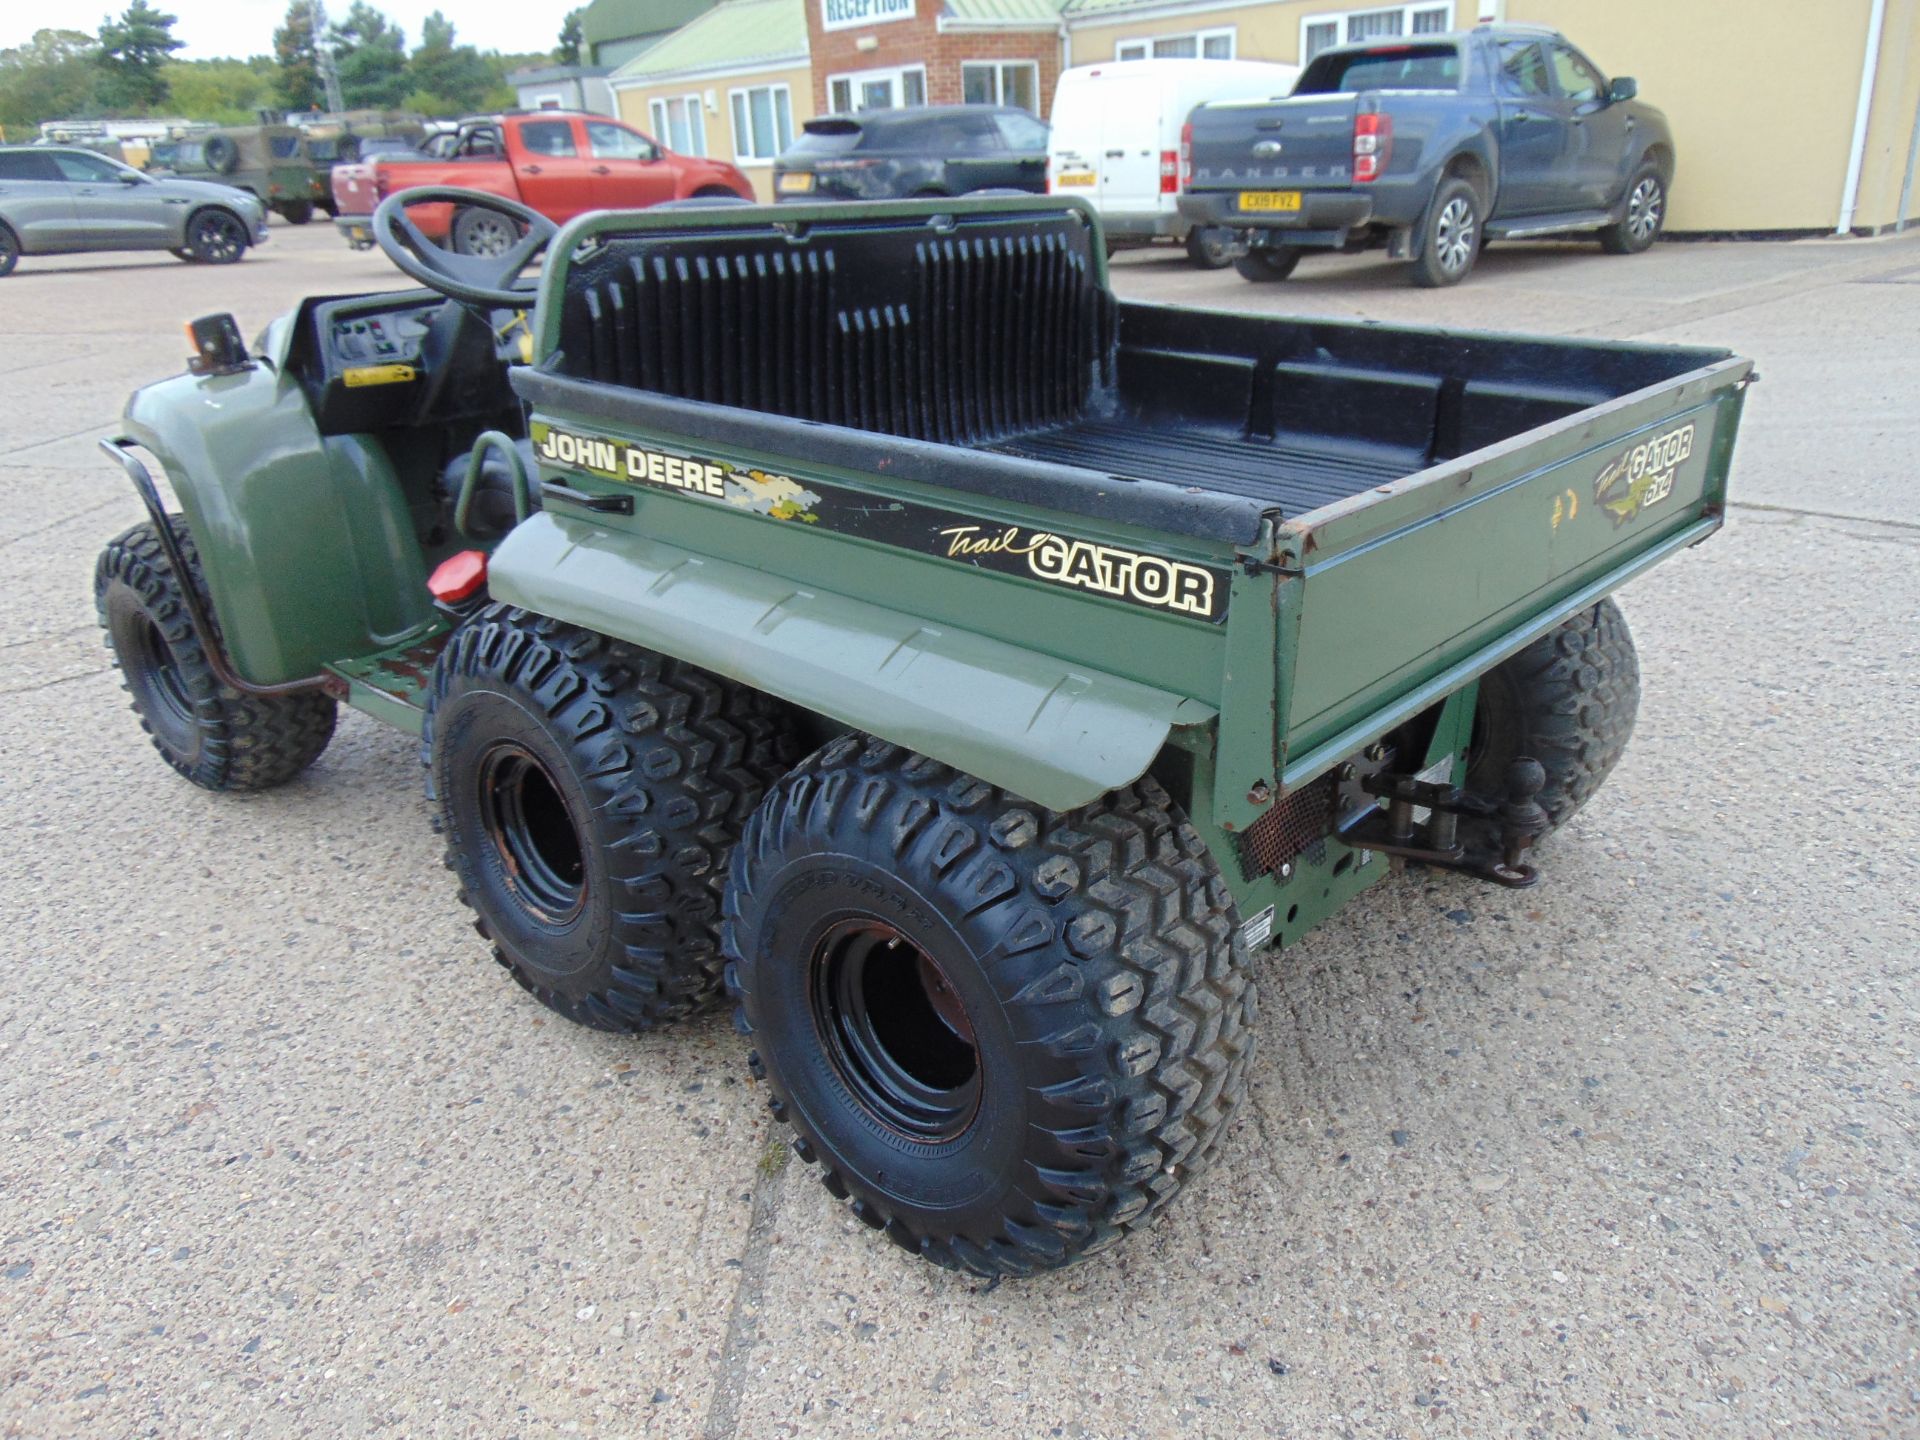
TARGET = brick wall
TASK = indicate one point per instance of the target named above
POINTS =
(919, 42)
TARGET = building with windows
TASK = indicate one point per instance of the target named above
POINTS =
(1779, 127)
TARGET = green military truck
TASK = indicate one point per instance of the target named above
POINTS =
(270, 162)
(858, 609)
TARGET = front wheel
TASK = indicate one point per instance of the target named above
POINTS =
(1007, 1036)
(9, 251)
(590, 793)
(1450, 241)
(1568, 700)
(1268, 263)
(1645, 217)
(1209, 247)
(216, 237)
(217, 737)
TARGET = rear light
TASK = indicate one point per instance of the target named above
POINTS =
(1186, 155)
(1169, 172)
(1372, 145)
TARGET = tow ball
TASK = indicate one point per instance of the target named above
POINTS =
(1399, 829)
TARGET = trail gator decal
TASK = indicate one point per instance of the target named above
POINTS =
(1154, 582)
(1642, 477)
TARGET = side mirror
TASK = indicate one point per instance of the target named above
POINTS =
(1623, 87)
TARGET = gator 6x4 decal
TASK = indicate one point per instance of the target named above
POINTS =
(1155, 582)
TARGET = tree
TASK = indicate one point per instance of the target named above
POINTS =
(296, 52)
(52, 77)
(133, 51)
(567, 52)
(226, 92)
(370, 52)
(447, 79)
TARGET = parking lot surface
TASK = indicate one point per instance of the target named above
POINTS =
(1633, 1153)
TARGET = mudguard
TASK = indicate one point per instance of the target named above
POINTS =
(1054, 732)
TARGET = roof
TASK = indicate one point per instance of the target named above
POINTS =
(1008, 12)
(733, 36)
(608, 20)
(547, 74)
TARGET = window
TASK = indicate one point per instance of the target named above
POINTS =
(552, 138)
(284, 147)
(762, 123)
(1579, 81)
(1317, 32)
(82, 168)
(681, 123)
(1022, 132)
(1195, 45)
(1397, 67)
(961, 135)
(1012, 82)
(877, 89)
(1522, 71)
(19, 165)
(607, 140)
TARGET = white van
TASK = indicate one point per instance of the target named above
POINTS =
(1117, 139)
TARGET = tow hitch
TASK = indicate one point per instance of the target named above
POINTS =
(1400, 830)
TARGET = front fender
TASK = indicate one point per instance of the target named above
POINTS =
(1053, 732)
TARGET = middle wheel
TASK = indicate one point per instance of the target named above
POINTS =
(591, 793)
(1007, 1035)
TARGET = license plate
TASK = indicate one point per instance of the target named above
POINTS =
(1269, 199)
(1074, 179)
(794, 183)
(360, 232)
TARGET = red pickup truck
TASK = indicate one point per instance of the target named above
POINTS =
(557, 162)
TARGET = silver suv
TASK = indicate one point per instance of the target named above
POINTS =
(58, 200)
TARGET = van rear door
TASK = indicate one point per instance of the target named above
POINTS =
(1106, 137)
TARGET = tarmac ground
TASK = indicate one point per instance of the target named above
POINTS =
(283, 1153)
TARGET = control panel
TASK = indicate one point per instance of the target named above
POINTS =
(385, 339)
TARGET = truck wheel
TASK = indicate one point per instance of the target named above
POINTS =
(297, 212)
(217, 737)
(1645, 217)
(221, 154)
(1008, 1036)
(1275, 262)
(482, 232)
(216, 237)
(1568, 700)
(590, 793)
(1450, 241)
(1209, 247)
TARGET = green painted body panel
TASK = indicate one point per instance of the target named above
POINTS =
(307, 543)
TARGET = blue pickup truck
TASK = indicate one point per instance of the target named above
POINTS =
(1430, 146)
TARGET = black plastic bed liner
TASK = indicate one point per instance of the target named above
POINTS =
(1284, 474)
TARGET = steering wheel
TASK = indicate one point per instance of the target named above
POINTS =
(490, 280)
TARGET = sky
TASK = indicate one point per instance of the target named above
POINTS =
(240, 28)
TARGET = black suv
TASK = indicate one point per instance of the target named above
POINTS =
(926, 150)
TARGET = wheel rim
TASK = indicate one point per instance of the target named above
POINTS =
(162, 687)
(220, 237)
(1453, 235)
(533, 834)
(896, 1030)
(1643, 209)
(487, 237)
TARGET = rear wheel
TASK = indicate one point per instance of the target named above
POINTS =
(590, 793)
(297, 212)
(1268, 263)
(9, 251)
(1450, 242)
(218, 737)
(1569, 701)
(1209, 247)
(1007, 1036)
(1645, 217)
(483, 232)
(216, 237)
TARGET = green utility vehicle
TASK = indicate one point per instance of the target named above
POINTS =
(269, 162)
(857, 609)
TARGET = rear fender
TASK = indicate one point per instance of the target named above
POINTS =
(1043, 728)
(306, 542)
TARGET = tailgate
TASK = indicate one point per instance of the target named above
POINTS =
(353, 189)
(1413, 590)
(1304, 144)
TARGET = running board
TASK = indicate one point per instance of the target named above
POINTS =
(391, 685)
(1531, 225)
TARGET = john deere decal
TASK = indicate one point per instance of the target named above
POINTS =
(1155, 582)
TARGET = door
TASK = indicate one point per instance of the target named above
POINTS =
(977, 156)
(1600, 134)
(1129, 157)
(629, 171)
(877, 90)
(36, 201)
(555, 176)
(1534, 121)
(1026, 141)
(110, 212)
